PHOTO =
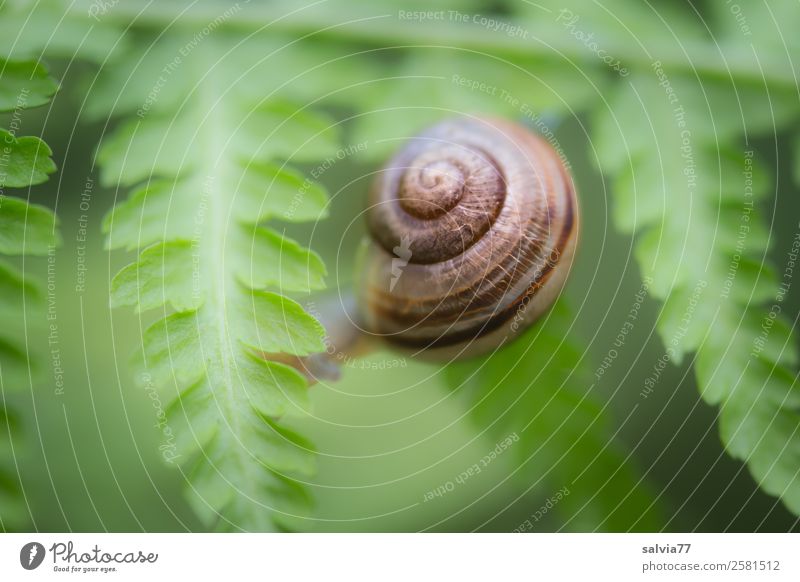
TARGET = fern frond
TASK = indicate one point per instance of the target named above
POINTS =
(565, 441)
(207, 166)
(25, 229)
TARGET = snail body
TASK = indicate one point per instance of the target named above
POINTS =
(472, 231)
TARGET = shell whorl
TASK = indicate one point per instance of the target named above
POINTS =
(473, 225)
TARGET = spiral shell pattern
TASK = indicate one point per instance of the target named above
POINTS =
(473, 226)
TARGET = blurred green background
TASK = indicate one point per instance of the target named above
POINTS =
(91, 462)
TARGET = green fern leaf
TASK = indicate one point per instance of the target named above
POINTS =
(13, 513)
(223, 421)
(208, 174)
(702, 241)
(15, 365)
(565, 440)
(26, 161)
(18, 293)
(24, 228)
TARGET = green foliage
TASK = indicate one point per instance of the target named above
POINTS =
(564, 431)
(25, 84)
(208, 168)
(25, 229)
(429, 85)
(28, 28)
(13, 513)
(669, 138)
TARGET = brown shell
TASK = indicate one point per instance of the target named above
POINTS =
(473, 226)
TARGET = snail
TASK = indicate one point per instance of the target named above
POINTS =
(472, 231)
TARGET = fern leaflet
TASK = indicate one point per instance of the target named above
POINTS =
(566, 443)
(703, 242)
(207, 175)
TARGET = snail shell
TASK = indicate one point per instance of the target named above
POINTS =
(473, 226)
